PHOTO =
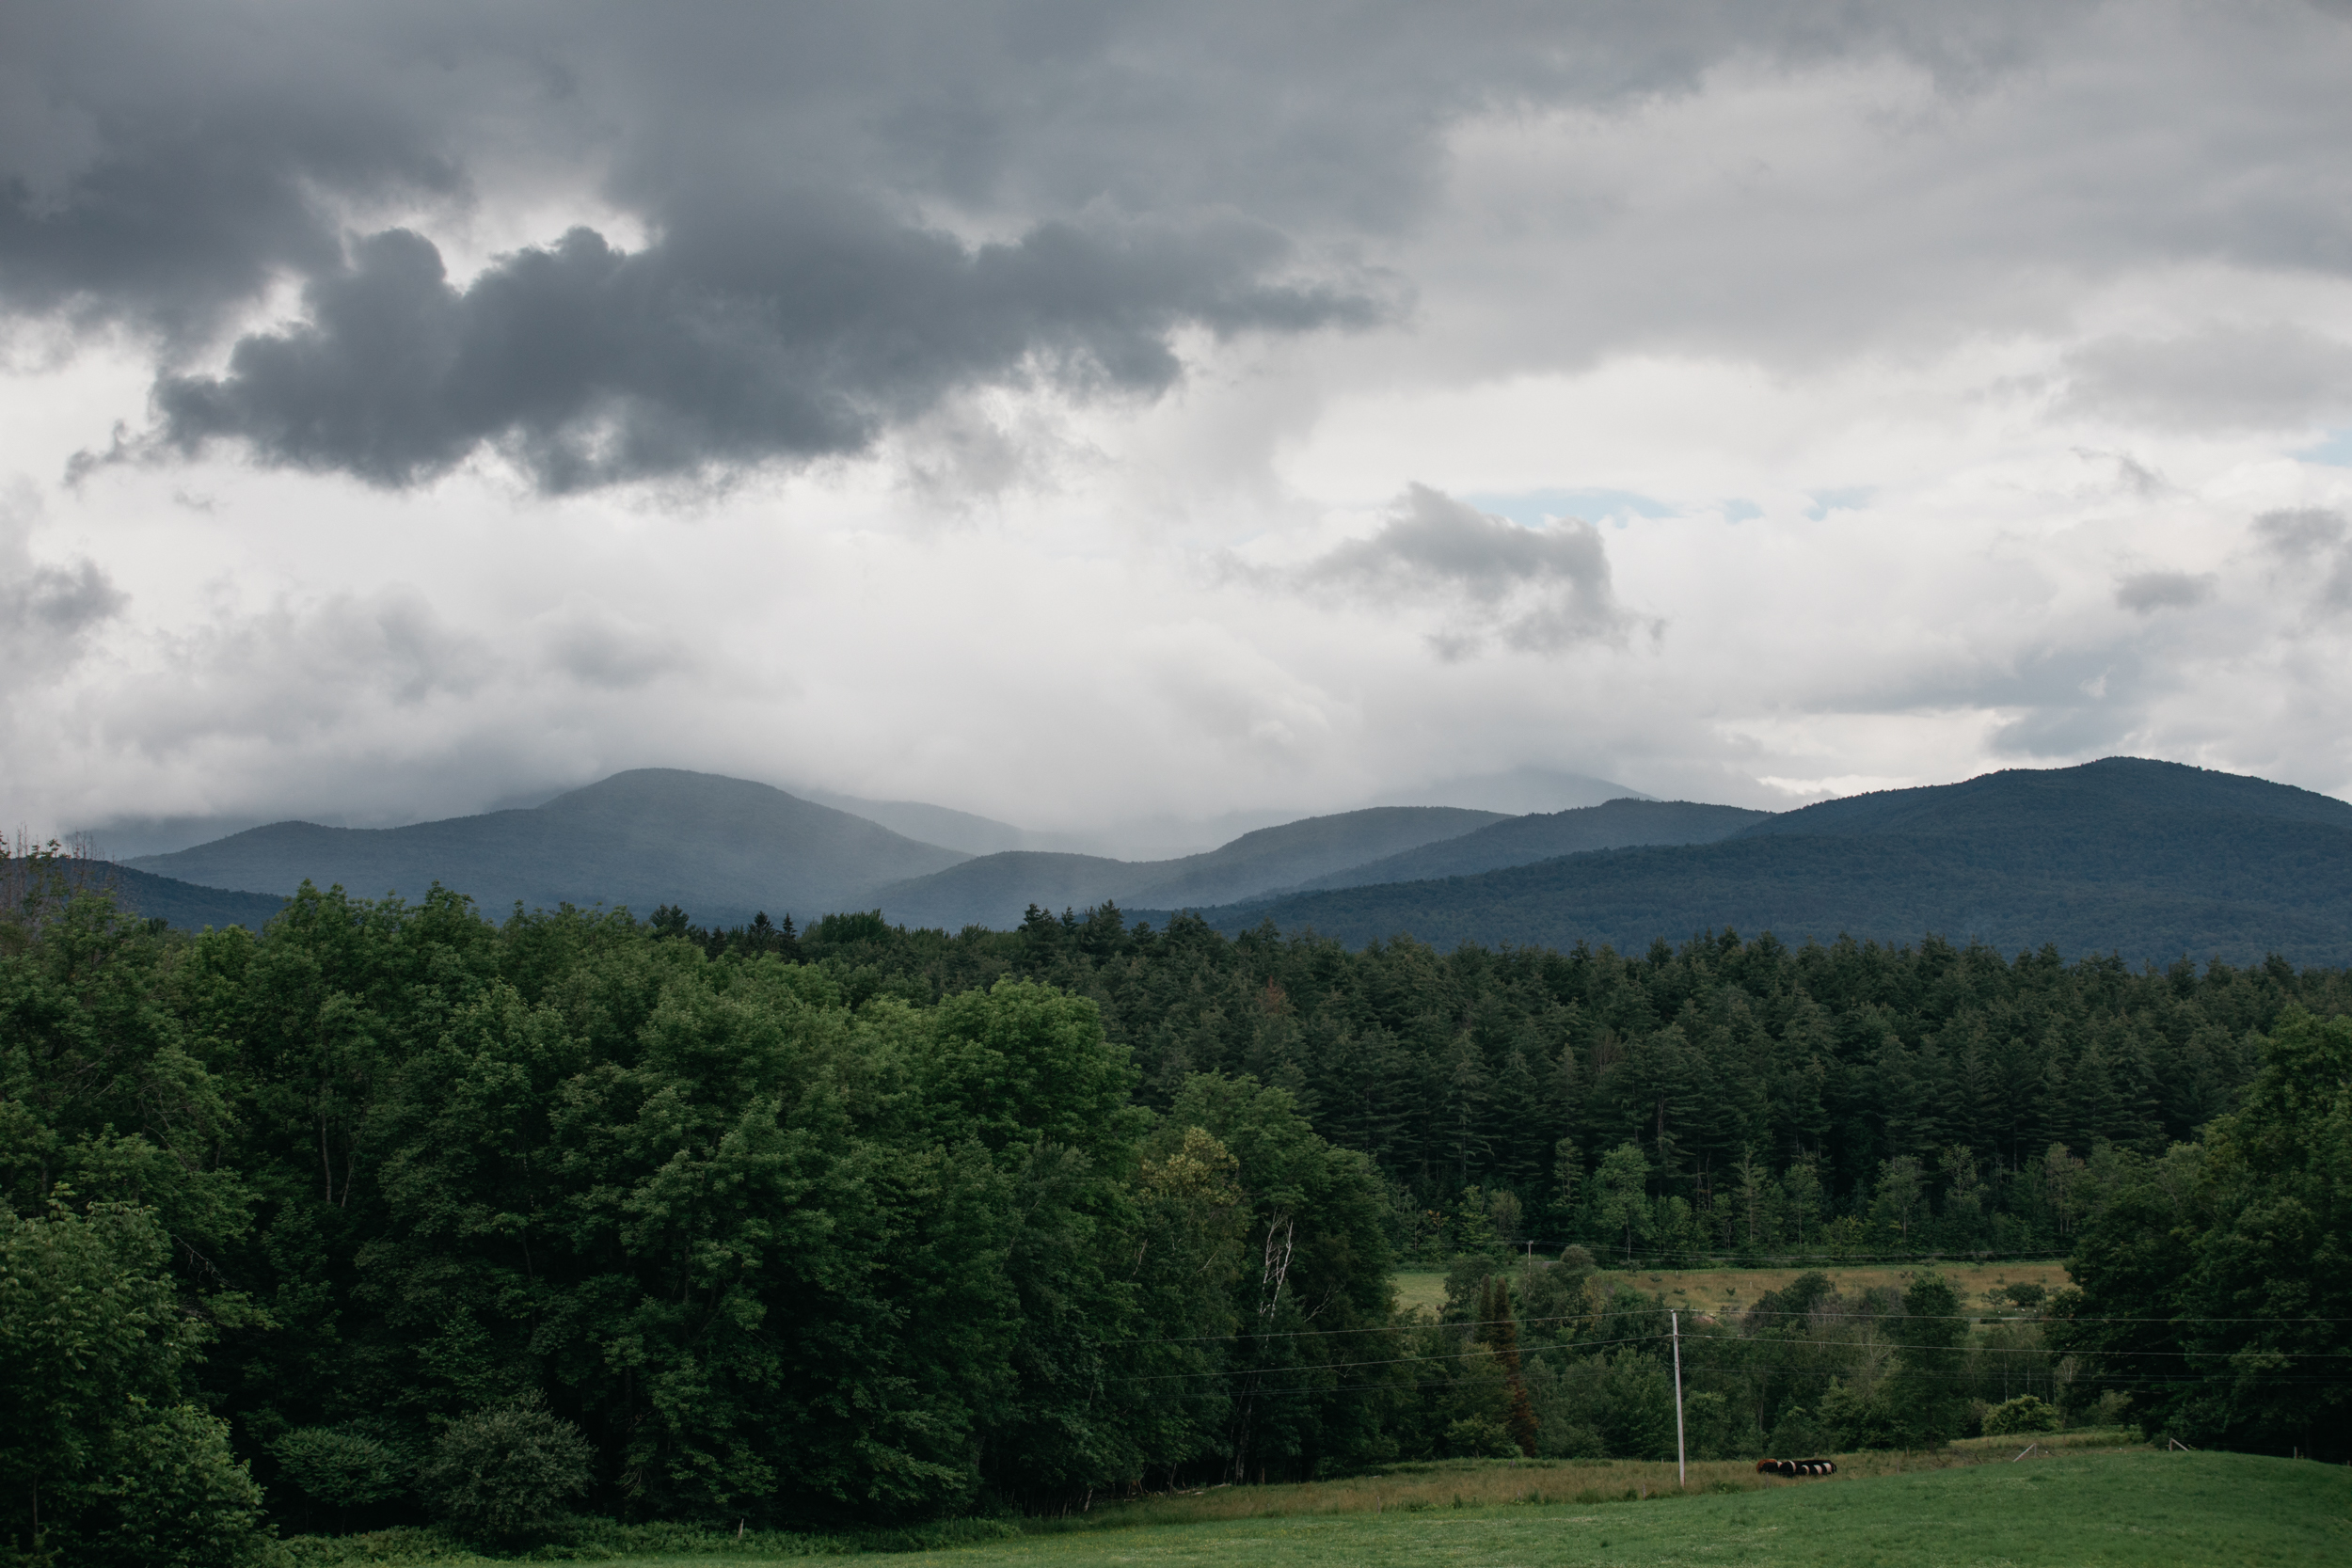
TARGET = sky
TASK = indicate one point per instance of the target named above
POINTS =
(1080, 414)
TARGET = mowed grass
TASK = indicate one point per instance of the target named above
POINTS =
(2095, 1509)
(1717, 1292)
(1419, 1289)
(1966, 1508)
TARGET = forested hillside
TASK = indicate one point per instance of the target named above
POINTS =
(142, 892)
(2152, 861)
(862, 1225)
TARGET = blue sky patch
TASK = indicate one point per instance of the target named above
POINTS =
(2336, 449)
(1848, 500)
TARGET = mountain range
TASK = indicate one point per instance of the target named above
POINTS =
(727, 847)
(2148, 859)
(994, 889)
(2151, 860)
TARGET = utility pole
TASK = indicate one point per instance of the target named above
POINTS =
(1682, 1468)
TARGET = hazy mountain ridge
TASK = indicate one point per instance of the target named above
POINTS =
(1524, 840)
(727, 848)
(2146, 859)
(994, 889)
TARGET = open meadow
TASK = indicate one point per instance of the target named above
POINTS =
(1717, 1290)
(2079, 1499)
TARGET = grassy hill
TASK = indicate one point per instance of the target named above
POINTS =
(994, 889)
(725, 849)
(2150, 860)
(1524, 840)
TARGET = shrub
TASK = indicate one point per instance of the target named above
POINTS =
(1480, 1437)
(2024, 1414)
(1854, 1420)
(341, 1467)
(507, 1471)
(169, 1493)
(1798, 1435)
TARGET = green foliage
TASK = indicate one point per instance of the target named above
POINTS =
(2024, 1414)
(1621, 1203)
(1480, 1437)
(1856, 1418)
(508, 1471)
(1923, 1395)
(864, 1229)
(102, 1461)
(342, 1467)
(166, 1490)
(2232, 1262)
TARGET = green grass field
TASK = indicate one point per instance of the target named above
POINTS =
(2097, 1509)
(1969, 1505)
(2092, 1507)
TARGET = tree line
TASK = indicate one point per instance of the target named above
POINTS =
(320, 1226)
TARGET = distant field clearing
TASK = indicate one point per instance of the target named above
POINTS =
(1717, 1290)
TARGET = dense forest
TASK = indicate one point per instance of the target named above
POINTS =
(1840, 1099)
(395, 1212)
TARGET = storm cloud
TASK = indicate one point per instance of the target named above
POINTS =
(587, 365)
(850, 214)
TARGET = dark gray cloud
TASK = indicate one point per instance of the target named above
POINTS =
(801, 337)
(1538, 590)
(46, 614)
(58, 603)
(163, 168)
(46, 610)
(2143, 593)
(803, 171)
